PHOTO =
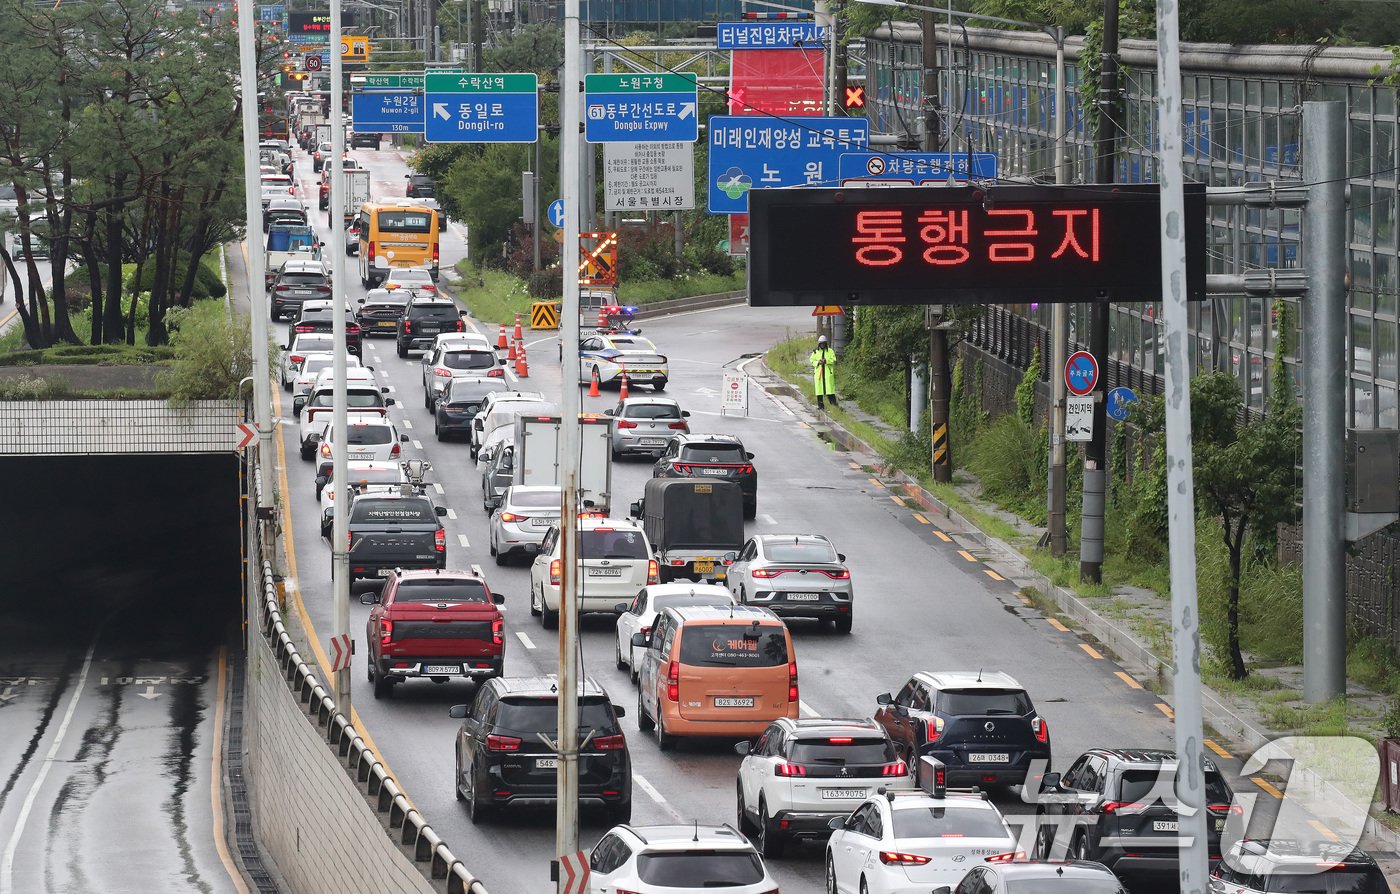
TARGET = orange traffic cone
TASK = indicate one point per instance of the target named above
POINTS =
(518, 334)
(511, 351)
(501, 341)
(593, 384)
(602, 319)
(622, 388)
(522, 368)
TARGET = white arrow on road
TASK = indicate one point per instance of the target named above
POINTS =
(687, 109)
(8, 694)
(150, 693)
(440, 111)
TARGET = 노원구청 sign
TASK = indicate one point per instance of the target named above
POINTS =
(649, 176)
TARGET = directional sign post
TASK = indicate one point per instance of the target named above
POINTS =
(1081, 373)
(640, 108)
(915, 168)
(750, 152)
(462, 107)
(779, 35)
(390, 111)
(555, 213)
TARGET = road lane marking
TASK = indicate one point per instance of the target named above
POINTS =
(992, 574)
(1055, 622)
(767, 519)
(529, 644)
(1166, 710)
(899, 501)
(392, 389)
(1220, 752)
(463, 541)
(451, 513)
(1267, 786)
(216, 765)
(807, 709)
(1025, 600)
(967, 555)
(417, 444)
(1132, 684)
(656, 796)
(438, 487)
(407, 423)
(853, 465)
(876, 482)
(1323, 830)
(476, 569)
(803, 424)
(920, 519)
(941, 536)
(1091, 651)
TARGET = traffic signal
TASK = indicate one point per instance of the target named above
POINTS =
(855, 97)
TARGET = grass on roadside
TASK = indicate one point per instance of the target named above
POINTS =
(684, 286)
(492, 296)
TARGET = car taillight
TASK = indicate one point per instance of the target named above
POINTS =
(765, 573)
(297, 358)
(304, 327)
(1006, 858)
(496, 374)
(786, 769)
(349, 540)
(898, 768)
(843, 574)
(895, 858)
(1225, 808)
(324, 290)
(395, 451)
(512, 517)
(502, 743)
(435, 254)
(623, 423)
(673, 682)
(461, 326)
(498, 629)
(1041, 730)
(792, 681)
(746, 469)
(444, 373)
(325, 449)
(352, 328)
(1115, 806)
(682, 467)
(645, 631)
(610, 743)
(556, 571)
(369, 255)
(653, 572)
(933, 728)
(428, 287)
(679, 426)
(386, 631)
(439, 538)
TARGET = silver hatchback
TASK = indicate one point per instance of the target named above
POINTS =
(644, 425)
(525, 515)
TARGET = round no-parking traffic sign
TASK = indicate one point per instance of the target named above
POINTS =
(1081, 373)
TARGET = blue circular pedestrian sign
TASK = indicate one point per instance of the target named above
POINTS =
(1120, 402)
(1081, 373)
(556, 213)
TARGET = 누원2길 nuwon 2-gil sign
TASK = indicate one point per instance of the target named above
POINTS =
(965, 245)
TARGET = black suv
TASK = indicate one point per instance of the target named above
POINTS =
(420, 186)
(321, 319)
(1120, 810)
(711, 456)
(364, 140)
(981, 725)
(1257, 866)
(424, 319)
(379, 312)
(501, 756)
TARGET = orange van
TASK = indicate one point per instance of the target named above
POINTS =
(715, 671)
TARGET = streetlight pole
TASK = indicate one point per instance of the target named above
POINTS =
(340, 522)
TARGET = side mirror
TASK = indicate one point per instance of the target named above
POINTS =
(403, 439)
(607, 412)
(1050, 782)
(640, 640)
(297, 404)
(620, 608)
(458, 712)
(384, 389)
(742, 748)
(836, 823)
(748, 456)
(360, 301)
(388, 401)
(406, 176)
(619, 710)
(321, 480)
(942, 889)
(731, 556)
(369, 598)
(884, 698)
(840, 557)
(498, 599)
(685, 414)
(441, 511)
(635, 509)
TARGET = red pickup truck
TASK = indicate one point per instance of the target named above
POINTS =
(435, 624)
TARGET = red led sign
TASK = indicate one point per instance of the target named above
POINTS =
(999, 245)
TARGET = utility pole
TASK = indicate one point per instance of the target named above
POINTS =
(1194, 870)
(1059, 336)
(1096, 452)
(940, 378)
(340, 548)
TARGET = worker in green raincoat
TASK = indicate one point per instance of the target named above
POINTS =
(823, 361)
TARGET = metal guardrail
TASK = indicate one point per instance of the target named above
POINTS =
(410, 830)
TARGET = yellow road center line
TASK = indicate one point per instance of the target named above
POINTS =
(1132, 684)
(1220, 752)
(1091, 651)
(853, 465)
(216, 762)
(1266, 786)
(920, 519)
(941, 536)
(992, 574)
(8, 317)
(967, 555)
(1167, 710)
(1323, 830)
(897, 500)
(803, 424)
(1025, 600)
(1055, 622)
(875, 481)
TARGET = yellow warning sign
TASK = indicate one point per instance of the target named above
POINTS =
(829, 310)
(544, 315)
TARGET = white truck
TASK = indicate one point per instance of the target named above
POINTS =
(537, 456)
(356, 194)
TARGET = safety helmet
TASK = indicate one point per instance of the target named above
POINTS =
(821, 339)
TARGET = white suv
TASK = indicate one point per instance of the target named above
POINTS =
(802, 774)
(689, 859)
(615, 561)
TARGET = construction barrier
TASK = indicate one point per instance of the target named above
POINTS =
(544, 315)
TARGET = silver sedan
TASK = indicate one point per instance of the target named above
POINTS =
(644, 425)
(525, 515)
(794, 575)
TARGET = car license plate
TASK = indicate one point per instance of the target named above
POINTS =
(442, 669)
(605, 572)
(361, 455)
(833, 794)
(546, 763)
(704, 566)
(715, 471)
(541, 522)
(652, 442)
(721, 702)
(802, 597)
(387, 324)
(431, 330)
(1164, 825)
(990, 758)
(384, 572)
(301, 291)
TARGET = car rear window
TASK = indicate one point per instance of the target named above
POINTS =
(984, 701)
(528, 715)
(712, 453)
(838, 751)
(434, 311)
(1342, 880)
(362, 399)
(652, 411)
(313, 343)
(474, 391)
(1054, 885)
(611, 543)
(733, 645)
(442, 589)
(681, 600)
(924, 821)
(536, 499)
(799, 551)
(303, 279)
(716, 869)
(1135, 785)
(372, 510)
(468, 360)
(405, 222)
(363, 435)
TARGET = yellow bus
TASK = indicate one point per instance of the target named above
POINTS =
(396, 234)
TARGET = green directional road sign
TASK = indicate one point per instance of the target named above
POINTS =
(478, 107)
(640, 108)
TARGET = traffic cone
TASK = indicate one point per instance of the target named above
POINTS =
(622, 388)
(593, 384)
(501, 341)
(518, 334)
(522, 368)
(602, 319)
(511, 352)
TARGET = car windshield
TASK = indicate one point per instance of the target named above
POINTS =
(714, 869)
(363, 435)
(468, 360)
(530, 715)
(1055, 885)
(733, 645)
(799, 551)
(611, 543)
(712, 453)
(393, 511)
(842, 750)
(984, 701)
(652, 411)
(1135, 785)
(405, 222)
(535, 499)
(927, 821)
(1342, 880)
(442, 589)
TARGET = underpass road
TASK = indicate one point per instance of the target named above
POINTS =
(921, 603)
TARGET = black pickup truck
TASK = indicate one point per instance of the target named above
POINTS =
(389, 531)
